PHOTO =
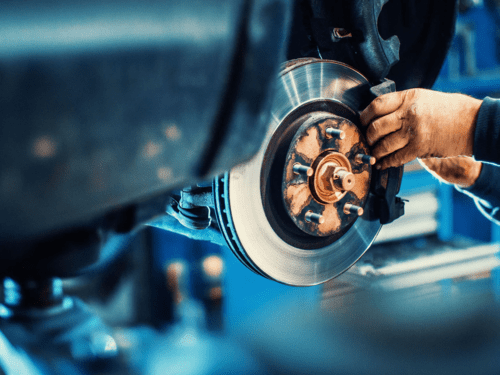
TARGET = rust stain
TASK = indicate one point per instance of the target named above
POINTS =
(351, 137)
(329, 123)
(289, 170)
(298, 196)
(361, 186)
(308, 145)
(332, 221)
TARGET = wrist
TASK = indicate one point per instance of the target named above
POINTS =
(470, 117)
(472, 175)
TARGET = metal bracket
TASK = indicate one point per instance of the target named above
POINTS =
(192, 208)
(386, 184)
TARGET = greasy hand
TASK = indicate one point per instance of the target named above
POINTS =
(461, 170)
(420, 123)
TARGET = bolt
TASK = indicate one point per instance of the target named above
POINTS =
(361, 158)
(314, 218)
(344, 179)
(353, 209)
(335, 133)
(303, 170)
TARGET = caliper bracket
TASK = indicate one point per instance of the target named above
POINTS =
(386, 206)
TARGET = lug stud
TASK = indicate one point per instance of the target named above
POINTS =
(303, 170)
(314, 218)
(335, 133)
(361, 158)
(353, 209)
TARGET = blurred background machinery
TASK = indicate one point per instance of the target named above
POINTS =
(93, 95)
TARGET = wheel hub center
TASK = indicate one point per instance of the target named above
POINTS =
(327, 174)
(332, 178)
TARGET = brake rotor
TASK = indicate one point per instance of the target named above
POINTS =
(297, 212)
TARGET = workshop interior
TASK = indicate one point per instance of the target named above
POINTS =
(186, 188)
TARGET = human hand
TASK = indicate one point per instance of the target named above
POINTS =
(461, 170)
(419, 123)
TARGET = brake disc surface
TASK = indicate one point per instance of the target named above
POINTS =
(296, 213)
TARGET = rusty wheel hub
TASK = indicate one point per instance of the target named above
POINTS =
(327, 174)
(332, 177)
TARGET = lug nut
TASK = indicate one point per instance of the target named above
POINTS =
(353, 209)
(314, 218)
(303, 170)
(344, 179)
(361, 158)
(335, 133)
